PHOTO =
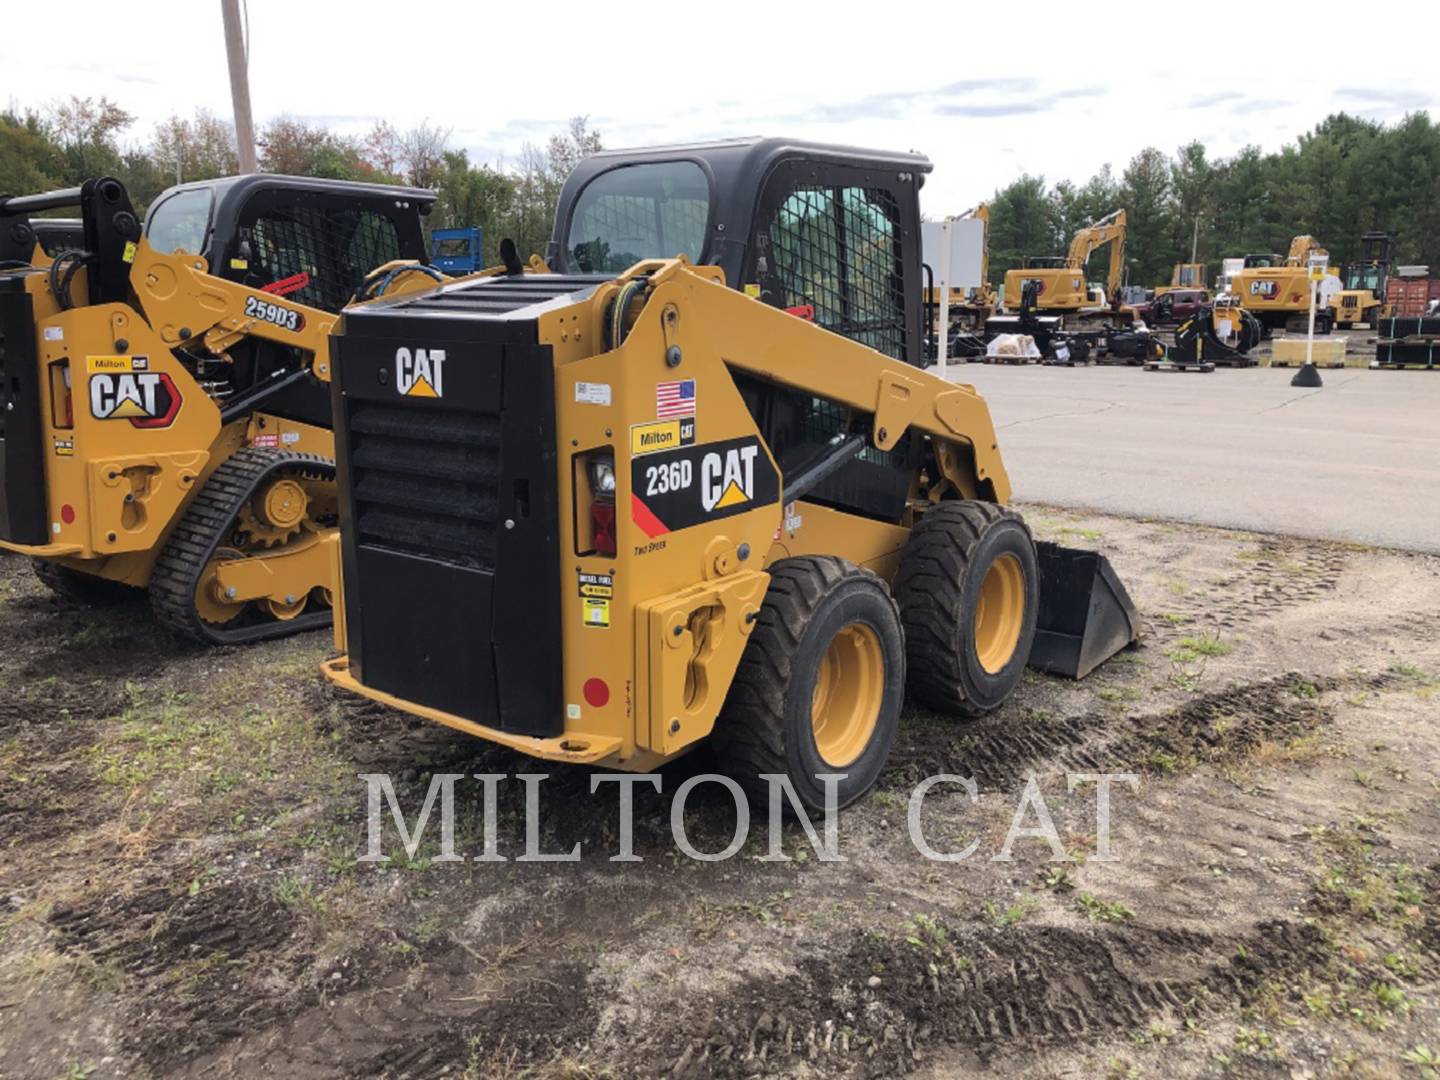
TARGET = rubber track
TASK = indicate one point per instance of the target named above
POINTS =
(81, 588)
(206, 523)
(749, 733)
(934, 564)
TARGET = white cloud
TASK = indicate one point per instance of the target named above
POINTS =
(1035, 91)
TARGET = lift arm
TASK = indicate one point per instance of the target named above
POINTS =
(183, 302)
(692, 305)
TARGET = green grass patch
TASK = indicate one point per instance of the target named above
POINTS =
(1097, 910)
(1208, 646)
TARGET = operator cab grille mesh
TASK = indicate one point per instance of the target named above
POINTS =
(335, 247)
(838, 248)
(426, 483)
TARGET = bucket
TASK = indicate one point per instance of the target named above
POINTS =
(1085, 617)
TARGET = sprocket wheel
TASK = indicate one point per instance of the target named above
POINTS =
(275, 514)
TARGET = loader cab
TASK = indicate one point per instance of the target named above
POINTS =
(1364, 277)
(828, 233)
(309, 239)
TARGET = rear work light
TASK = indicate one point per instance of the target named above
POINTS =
(600, 470)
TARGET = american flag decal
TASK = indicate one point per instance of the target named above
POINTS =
(674, 399)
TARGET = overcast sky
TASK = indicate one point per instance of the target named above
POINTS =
(1028, 89)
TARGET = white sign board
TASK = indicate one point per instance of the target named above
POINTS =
(967, 249)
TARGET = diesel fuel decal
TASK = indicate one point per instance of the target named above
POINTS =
(661, 435)
(596, 592)
(676, 489)
(148, 399)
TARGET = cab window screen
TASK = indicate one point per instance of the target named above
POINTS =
(181, 222)
(332, 247)
(836, 249)
(639, 212)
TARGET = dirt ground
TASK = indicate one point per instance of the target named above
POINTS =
(180, 893)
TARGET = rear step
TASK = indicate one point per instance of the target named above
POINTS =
(1086, 616)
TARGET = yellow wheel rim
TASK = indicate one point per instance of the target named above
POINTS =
(848, 690)
(282, 611)
(1000, 613)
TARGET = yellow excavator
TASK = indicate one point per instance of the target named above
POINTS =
(1063, 289)
(972, 306)
(1277, 291)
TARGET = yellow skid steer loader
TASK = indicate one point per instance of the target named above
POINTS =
(164, 420)
(692, 484)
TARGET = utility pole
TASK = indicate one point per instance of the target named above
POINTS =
(1195, 239)
(236, 51)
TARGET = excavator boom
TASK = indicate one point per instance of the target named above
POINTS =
(1108, 230)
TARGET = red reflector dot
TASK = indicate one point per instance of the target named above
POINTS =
(596, 692)
(67, 514)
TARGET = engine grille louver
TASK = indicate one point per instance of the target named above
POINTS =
(427, 483)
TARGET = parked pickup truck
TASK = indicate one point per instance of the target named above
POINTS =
(1172, 307)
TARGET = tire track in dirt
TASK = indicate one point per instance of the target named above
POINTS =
(201, 967)
(881, 1008)
(1285, 575)
(49, 790)
(1222, 726)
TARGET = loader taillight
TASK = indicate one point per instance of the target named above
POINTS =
(600, 471)
(62, 401)
(602, 527)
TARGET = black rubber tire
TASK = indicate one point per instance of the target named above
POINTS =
(82, 588)
(765, 724)
(941, 570)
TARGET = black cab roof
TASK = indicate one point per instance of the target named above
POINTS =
(736, 170)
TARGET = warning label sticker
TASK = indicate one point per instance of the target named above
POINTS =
(596, 593)
(597, 612)
(592, 393)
